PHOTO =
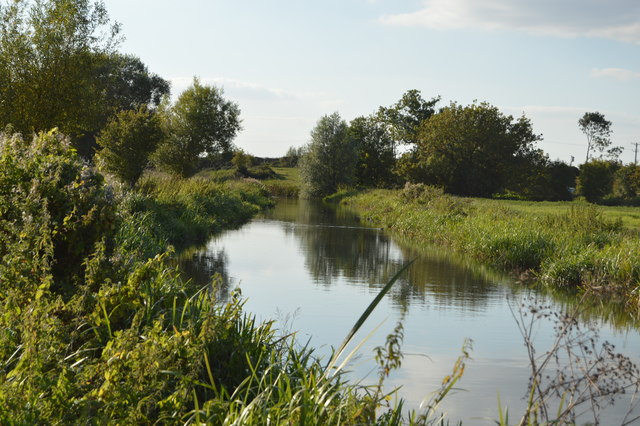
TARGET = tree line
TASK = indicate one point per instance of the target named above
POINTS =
(468, 150)
(60, 68)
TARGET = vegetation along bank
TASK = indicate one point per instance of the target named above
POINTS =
(573, 247)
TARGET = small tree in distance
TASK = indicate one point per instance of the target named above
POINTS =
(330, 158)
(597, 129)
(127, 141)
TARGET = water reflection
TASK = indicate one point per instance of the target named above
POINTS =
(336, 247)
(323, 264)
(207, 267)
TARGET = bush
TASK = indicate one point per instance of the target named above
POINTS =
(52, 206)
(127, 141)
(596, 179)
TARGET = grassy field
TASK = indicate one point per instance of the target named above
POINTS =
(286, 183)
(630, 216)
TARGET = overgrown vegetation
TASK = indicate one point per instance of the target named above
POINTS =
(99, 327)
(575, 250)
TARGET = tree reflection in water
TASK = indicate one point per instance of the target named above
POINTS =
(336, 245)
(207, 267)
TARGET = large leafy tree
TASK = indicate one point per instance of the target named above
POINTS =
(598, 132)
(128, 83)
(471, 150)
(201, 123)
(404, 118)
(596, 179)
(376, 158)
(59, 68)
(50, 53)
(330, 157)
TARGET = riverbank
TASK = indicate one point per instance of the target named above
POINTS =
(98, 326)
(577, 250)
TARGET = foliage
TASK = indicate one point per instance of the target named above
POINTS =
(52, 207)
(472, 150)
(292, 156)
(574, 249)
(59, 68)
(188, 210)
(330, 157)
(376, 158)
(129, 84)
(202, 122)
(405, 117)
(626, 182)
(132, 342)
(52, 51)
(242, 161)
(562, 177)
(597, 129)
(596, 179)
(127, 141)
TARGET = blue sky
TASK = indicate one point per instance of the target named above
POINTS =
(287, 62)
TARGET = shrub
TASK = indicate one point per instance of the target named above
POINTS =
(596, 179)
(127, 141)
(52, 205)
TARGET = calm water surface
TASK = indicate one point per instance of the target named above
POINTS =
(314, 269)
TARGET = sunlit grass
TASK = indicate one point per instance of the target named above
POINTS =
(630, 216)
(574, 246)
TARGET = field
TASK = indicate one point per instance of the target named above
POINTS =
(630, 216)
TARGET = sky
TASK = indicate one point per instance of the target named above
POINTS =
(289, 62)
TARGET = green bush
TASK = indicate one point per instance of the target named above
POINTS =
(595, 180)
(52, 206)
(127, 141)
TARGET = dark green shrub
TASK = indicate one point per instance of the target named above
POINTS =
(626, 183)
(127, 141)
(596, 179)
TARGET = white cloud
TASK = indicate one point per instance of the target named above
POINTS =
(610, 19)
(616, 73)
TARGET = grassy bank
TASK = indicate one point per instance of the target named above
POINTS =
(98, 327)
(574, 247)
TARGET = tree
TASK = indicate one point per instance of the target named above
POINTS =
(127, 141)
(50, 54)
(597, 129)
(292, 156)
(128, 83)
(596, 179)
(376, 158)
(404, 118)
(242, 161)
(626, 182)
(330, 157)
(470, 150)
(202, 122)
(59, 68)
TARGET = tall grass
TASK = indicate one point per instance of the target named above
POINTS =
(126, 340)
(186, 211)
(578, 249)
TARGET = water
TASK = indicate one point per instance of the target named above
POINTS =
(315, 269)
